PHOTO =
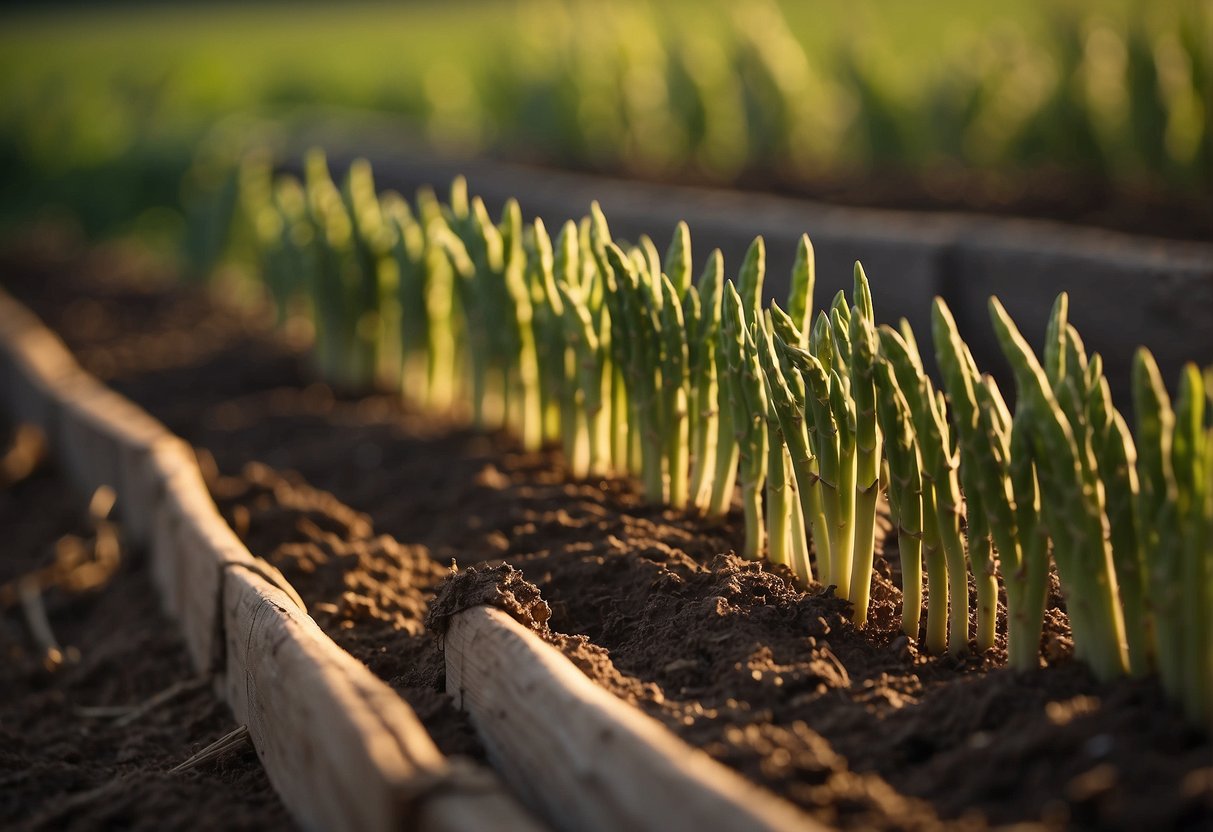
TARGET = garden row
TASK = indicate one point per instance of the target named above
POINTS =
(856, 727)
(617, 353)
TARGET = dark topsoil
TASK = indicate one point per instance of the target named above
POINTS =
(62, 767)
(364, 505)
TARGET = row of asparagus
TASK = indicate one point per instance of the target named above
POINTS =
(618, 353)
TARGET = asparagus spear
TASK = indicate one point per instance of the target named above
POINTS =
(678, 260)
(868, 443)
(1157, 515)
(905, 490)
(439, 289)
(823, 435)
(527, 418)
(780, 477)
(728, 452)
(804, 463)
(786, 393)
(548, 325)
(747, 400)
(641, 322)
(409, 252)
(675, 379)
(374, 295)
(962, 381)
(1116, 455)
(705, 405)
(1190, 457)
(943, 547)
(800, 295)
(624, 419)
(1072, 499)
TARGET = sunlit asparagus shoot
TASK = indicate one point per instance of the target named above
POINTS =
(868, 442)
(786, 396)
(702, 339)
(1071, 499)
(904, 489)
(977, 464)
(747, 404)
(942, 545)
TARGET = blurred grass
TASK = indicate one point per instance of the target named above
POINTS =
(101, 107)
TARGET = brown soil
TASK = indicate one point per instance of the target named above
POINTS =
(857, 727)
(62, 767)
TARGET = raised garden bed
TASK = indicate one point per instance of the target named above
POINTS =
(855, 727)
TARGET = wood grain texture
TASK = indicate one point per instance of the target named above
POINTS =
(335, 737)
(583, 758)
(342, 748)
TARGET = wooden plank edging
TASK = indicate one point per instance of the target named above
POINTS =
(582, 757)
(341, 748)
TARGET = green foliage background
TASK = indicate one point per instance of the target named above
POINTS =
(102, 107)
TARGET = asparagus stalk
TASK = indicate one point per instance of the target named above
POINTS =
(728, 452)
(1116, 455)
(574, 427)
(615, 342)
(636, 306)
(962, 381)
(868, 444)
(787, 400)
(333, 295)
(801, 564)
(374, 294)
(1027, 580)
(830, 342)
(747, 400)
(678, 260)
(705, 408)
(943, 547)
(548, 325)
(780, 478)
(464, 272)
(439, 292)
(905, 491)
(528, 411)
(823, 434)
(675, 378)
(484, 298)
(1189, 461)
(804, 463)
(800, 295)
(585, 405)
(409, 252)
(1072, 499)
(1157, 515)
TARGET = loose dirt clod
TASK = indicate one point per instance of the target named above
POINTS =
(502, 587)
